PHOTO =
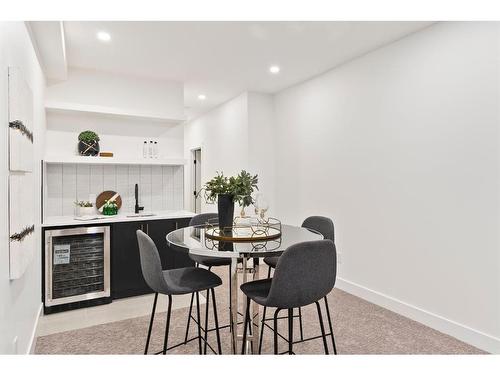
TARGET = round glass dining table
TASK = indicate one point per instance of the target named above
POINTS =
(244, 260)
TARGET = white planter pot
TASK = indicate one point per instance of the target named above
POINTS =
(86, 211)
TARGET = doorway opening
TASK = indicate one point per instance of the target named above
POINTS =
(196, 180)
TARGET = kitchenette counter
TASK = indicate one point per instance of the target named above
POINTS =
(57, 221)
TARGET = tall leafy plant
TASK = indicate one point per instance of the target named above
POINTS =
(242, 187)
(217, 185)
(239, 188)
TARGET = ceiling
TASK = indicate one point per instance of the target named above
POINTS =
(223, 59)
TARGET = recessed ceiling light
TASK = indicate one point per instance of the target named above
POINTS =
(275, 69)
(202, 97)
(103, 36)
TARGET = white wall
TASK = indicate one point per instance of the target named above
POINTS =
(401, 148)
(261, 144)
(90, 87)
(222, 135)
(20, 300)
(234, 136)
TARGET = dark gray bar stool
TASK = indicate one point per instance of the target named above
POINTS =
(176, 282)
(305, 273)
(323, 225)
(201, 219)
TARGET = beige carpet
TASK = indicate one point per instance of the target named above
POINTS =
(360, 327)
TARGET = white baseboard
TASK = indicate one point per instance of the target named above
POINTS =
(32, 344)
(466, 334)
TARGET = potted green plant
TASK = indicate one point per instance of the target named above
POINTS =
(226, 191)
(242, 187)
(84, 208)
(88, 144)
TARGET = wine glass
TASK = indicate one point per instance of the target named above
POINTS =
(261, 205)
(256, 203)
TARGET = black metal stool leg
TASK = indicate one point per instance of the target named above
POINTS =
(151, 324)
(167, 328)
(199, 320)
(322, 326)
(262, 329)
(190, 312)
(230, 302)
(263, 317)
(216, 319)
(300, 322)
(330, 325)
(189, 318)
(290, 331)
(245, 325)
(276, 331)
(206, 321)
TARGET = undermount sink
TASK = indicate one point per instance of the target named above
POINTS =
(144, 214)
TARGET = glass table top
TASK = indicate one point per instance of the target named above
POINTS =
(193, 239)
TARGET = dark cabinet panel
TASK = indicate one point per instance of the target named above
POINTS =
(181, 257)
(126, 273)
(158, 230)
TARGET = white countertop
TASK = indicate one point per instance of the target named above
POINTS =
(54, 221)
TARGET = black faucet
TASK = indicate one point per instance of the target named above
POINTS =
(137, 207)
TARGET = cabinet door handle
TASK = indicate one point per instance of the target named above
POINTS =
(176, 225)
(147, 228)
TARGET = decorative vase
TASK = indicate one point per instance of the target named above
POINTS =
(110, 211)
(86, 211)
(226, 210)
(88, 148)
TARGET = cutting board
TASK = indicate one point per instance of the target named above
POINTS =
(106, 196)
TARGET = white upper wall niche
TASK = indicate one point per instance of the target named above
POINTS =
(122, 136)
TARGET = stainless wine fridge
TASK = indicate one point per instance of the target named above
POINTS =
(77, 265)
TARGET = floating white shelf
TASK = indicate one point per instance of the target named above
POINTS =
(111, 160)
(108, 111)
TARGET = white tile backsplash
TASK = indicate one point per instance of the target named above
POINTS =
(69, 192)
(109, 177)
(54, 195)
(122, 185)
(82, 181)
(145, 188)
(156, 186)
(168, 186)
(161, 188)
(96, 181)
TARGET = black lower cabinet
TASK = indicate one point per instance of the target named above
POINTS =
(126, 272)
(181, 257)
(157, 230)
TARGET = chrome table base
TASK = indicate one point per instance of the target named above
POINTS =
(252, 339)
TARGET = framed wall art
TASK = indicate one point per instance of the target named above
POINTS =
(21, 182)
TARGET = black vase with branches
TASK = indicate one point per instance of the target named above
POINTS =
(226, 191)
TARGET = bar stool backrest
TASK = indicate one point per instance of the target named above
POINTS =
(151, 263)
(321, 224)
(304, 274)
(201, 219)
